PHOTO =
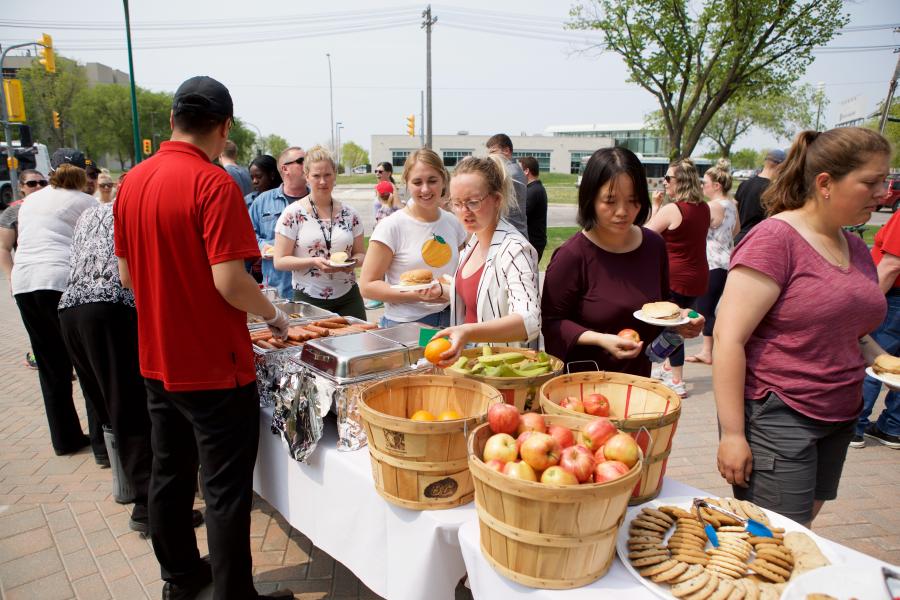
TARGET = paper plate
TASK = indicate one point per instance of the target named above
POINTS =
(640, 316)
(840, 581)
(412, 288)
(342, 265)
(684, 502)
(891, 380)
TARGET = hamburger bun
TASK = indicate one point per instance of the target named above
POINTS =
(885, 364)
(339, 257)
(662, 310)
(416, 277)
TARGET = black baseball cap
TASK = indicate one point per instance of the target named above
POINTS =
(203, 95)
(67, 156)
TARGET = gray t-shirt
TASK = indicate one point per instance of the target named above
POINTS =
(517, 216)
(241, 176)
(9, 218)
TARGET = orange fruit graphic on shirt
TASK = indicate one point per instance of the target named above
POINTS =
(436, 252)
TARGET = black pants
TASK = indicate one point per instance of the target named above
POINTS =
(102, 341)
(349, 305)
(677, 357)
(220, 430)
(706, 304)
(41, 319)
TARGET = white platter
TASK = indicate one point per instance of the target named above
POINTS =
(412, 288)
(841, 581)
(891, 380)
(685, 502)
(640, 316)
(342, 265)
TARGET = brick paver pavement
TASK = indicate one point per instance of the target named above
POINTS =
(62, 536)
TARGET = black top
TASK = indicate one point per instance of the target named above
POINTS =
(750, 208)
(536, 212)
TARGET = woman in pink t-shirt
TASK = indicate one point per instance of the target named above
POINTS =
(791, 336)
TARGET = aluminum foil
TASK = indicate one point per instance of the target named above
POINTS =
(270, 370)
(298, 414)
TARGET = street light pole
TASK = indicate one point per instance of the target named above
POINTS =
(258, 136)
(331, 101)
(338, 126)
(135, 123)
(820, 96)
(427, 25)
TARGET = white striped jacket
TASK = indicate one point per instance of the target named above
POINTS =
(508, 285)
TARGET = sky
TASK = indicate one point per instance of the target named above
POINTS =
(506, 65)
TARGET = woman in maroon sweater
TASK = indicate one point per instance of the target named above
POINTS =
(683, 224)
(601, 275)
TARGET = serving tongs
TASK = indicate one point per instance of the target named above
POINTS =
(892, 582)
(751, 526)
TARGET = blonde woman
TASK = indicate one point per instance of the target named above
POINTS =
(419, 236)
(310, 231)
(105, 187)
(494, 296)
(683, 224)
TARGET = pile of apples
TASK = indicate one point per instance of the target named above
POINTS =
(595, 404)
(555, 454)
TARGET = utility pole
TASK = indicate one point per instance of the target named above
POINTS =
(892, 86)
(331, 103)
(338, 126)
(820, 95)
(135, 123)
(422, 118)
(427, 24)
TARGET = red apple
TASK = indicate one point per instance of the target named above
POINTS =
(540, 451)
(503, 418)
(520, 470)
(558, 476)
(572, 403)
(609, 470)
(623, 448)
(521, 439)
(630, 334)
(597, 432)
(532, 421)
(563, 435)
(597, 405)
(500, 446)
(495, 464)
(578, 461)
(598, 456)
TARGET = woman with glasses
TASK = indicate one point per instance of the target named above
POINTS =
(419, 236)
(105, 187)
(312, 229)
(384, 171)
(600, 276)
(494, 296)
(30, 181)
(683, 224)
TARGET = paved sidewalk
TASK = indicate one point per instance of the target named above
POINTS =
(62, 536)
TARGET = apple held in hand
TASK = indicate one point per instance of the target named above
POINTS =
(558, 476)
(597, 405)
(563, 435)
(540, 451)
(532, 421)
(630, 334)
(597, 432)
(623, 448)
(578, 461)
(572, 403)
(520, 470)
(609, 470)
(503, 418)
(500, 446)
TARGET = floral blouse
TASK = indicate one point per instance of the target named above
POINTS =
(719, 241)
(93, 267)
(310, 236)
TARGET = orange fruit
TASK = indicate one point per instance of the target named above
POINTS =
(422, 415)
(435, 348)
(449, 415)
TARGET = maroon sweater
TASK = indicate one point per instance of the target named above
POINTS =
(686, 244)
(588, 288)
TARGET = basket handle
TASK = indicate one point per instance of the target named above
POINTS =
(645, 466)
(575, 362)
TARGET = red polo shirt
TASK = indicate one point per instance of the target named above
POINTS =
(175, 215)
(887, 241)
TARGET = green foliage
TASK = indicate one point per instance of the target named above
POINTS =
(745, 158)
(696, 57)
(891, 130)
(245, 141)
(353, 155)
(45, 92)
(103, 117)
(273, 145)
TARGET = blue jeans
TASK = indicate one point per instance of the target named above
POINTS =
(439, 319)
(888, 337)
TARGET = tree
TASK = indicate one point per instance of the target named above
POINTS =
(103, 116)
(694, 59)
(353, 155)
(273, 145)
(745, 158)
(891, 129)
(47, 92)
(245, 140)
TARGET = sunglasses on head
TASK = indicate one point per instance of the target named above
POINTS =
(36, 182)
(298, 161)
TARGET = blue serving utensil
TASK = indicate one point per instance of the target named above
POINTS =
(709, 529)
(753, 527)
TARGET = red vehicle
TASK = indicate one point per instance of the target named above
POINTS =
(892, 198)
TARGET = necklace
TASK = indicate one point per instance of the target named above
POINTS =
(325, 236)
(840, 263)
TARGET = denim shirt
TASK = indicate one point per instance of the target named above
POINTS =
(264, 213)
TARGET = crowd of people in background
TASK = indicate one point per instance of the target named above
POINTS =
(142, 286)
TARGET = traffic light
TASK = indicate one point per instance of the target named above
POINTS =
(411, 125)
(48, 58)
(57, 122)
(148, 147)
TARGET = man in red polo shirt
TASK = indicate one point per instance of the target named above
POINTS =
(182, 234)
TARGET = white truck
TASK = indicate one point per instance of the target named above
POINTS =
(34, 157)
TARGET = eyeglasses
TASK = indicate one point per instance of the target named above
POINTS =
(298, 161)
(471, 205)
(106, 186)
(379, 171)
(668, 178)
(36, 182)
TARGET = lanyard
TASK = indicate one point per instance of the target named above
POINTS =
(326, 236)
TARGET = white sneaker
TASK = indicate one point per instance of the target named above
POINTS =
(679, 388)
(660, 372)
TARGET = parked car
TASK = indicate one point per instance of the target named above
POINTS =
(361, 169)
(892, 198)
(743, 173)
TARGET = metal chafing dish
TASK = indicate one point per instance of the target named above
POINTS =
(406, 334)
(296, 311)
(350, 357)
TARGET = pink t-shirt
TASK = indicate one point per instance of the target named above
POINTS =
(806, 348)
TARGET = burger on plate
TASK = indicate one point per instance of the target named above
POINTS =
(416, 277)
(339, 258)
(662, 311)
(887, 366)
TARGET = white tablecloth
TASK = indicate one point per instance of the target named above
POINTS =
(618, 583)
(398, 553)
